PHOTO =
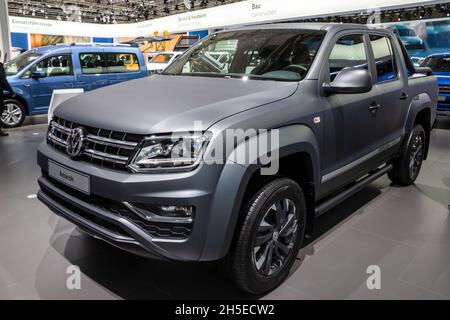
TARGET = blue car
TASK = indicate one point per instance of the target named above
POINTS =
(408, 36)
(440, 64)
(36, 73)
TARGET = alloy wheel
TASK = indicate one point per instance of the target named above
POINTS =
(11, 114)
(275, 237)
(416, 156)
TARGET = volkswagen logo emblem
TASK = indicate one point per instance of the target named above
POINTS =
(75, 142)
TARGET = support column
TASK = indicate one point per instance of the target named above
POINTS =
(5, 36)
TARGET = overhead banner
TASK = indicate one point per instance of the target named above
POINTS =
(240, 13)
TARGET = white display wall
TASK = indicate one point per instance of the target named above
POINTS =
(245, 12)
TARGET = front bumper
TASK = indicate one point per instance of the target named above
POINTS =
(195, 188)
(443, 106)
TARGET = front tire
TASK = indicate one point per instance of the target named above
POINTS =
(271, 234)
(407, 166)
(12, 114)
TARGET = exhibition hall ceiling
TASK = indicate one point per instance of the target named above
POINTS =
(106, 11)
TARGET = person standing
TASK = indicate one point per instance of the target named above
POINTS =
(4, 85)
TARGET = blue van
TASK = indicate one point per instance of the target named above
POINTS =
(36, 73)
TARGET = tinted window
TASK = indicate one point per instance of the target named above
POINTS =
(92, 63)
(384, 57)
(122, 62)
(406, 33)
(438, 64)
(348, 52)
(56, 66)
(284, 55)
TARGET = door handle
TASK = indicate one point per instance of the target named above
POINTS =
(404, 96)
(374, 108)
(27, 85)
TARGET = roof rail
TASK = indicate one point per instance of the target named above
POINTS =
(82, 44)
(101, 44)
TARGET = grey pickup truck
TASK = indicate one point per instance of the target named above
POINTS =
(148, 165)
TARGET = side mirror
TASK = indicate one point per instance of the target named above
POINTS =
(350, 80)
(38, 74)
(424, 70)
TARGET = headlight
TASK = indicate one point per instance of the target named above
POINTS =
(170, 152)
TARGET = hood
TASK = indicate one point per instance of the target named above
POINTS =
(163, 103)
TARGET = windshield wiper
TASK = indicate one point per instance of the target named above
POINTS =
(229, 76)
(201, 74)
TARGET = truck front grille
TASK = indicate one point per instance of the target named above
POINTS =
(444, 89)
(105, 148)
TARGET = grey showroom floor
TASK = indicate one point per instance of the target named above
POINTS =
(404, 231)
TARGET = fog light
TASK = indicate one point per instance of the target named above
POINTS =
(157, 213)
(176, 211)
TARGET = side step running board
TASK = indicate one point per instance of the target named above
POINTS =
(357, 186)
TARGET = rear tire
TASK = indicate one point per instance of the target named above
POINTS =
(267, 241)
(407, 166)
(12, 113)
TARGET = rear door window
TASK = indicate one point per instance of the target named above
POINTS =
(93, 63)
(122, 62)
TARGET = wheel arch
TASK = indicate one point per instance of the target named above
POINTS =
(420, 112)
(298, 148)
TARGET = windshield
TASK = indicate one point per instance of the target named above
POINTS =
(438, 64)
(20, 62)
(283, 55)
(406, 33)
(162, 58)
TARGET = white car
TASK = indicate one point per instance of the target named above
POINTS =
(160, 60)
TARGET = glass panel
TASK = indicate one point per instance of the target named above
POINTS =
(284, 55)
(348, 52)
(162, 58)
(122, 62)
(438, 64)
(384, 58)
(20, 62)
(92, 63)
(56, 66)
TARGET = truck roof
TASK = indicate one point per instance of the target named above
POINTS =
(308, 26)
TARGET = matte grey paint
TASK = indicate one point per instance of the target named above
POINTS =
(162, 104)
(350, 81)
